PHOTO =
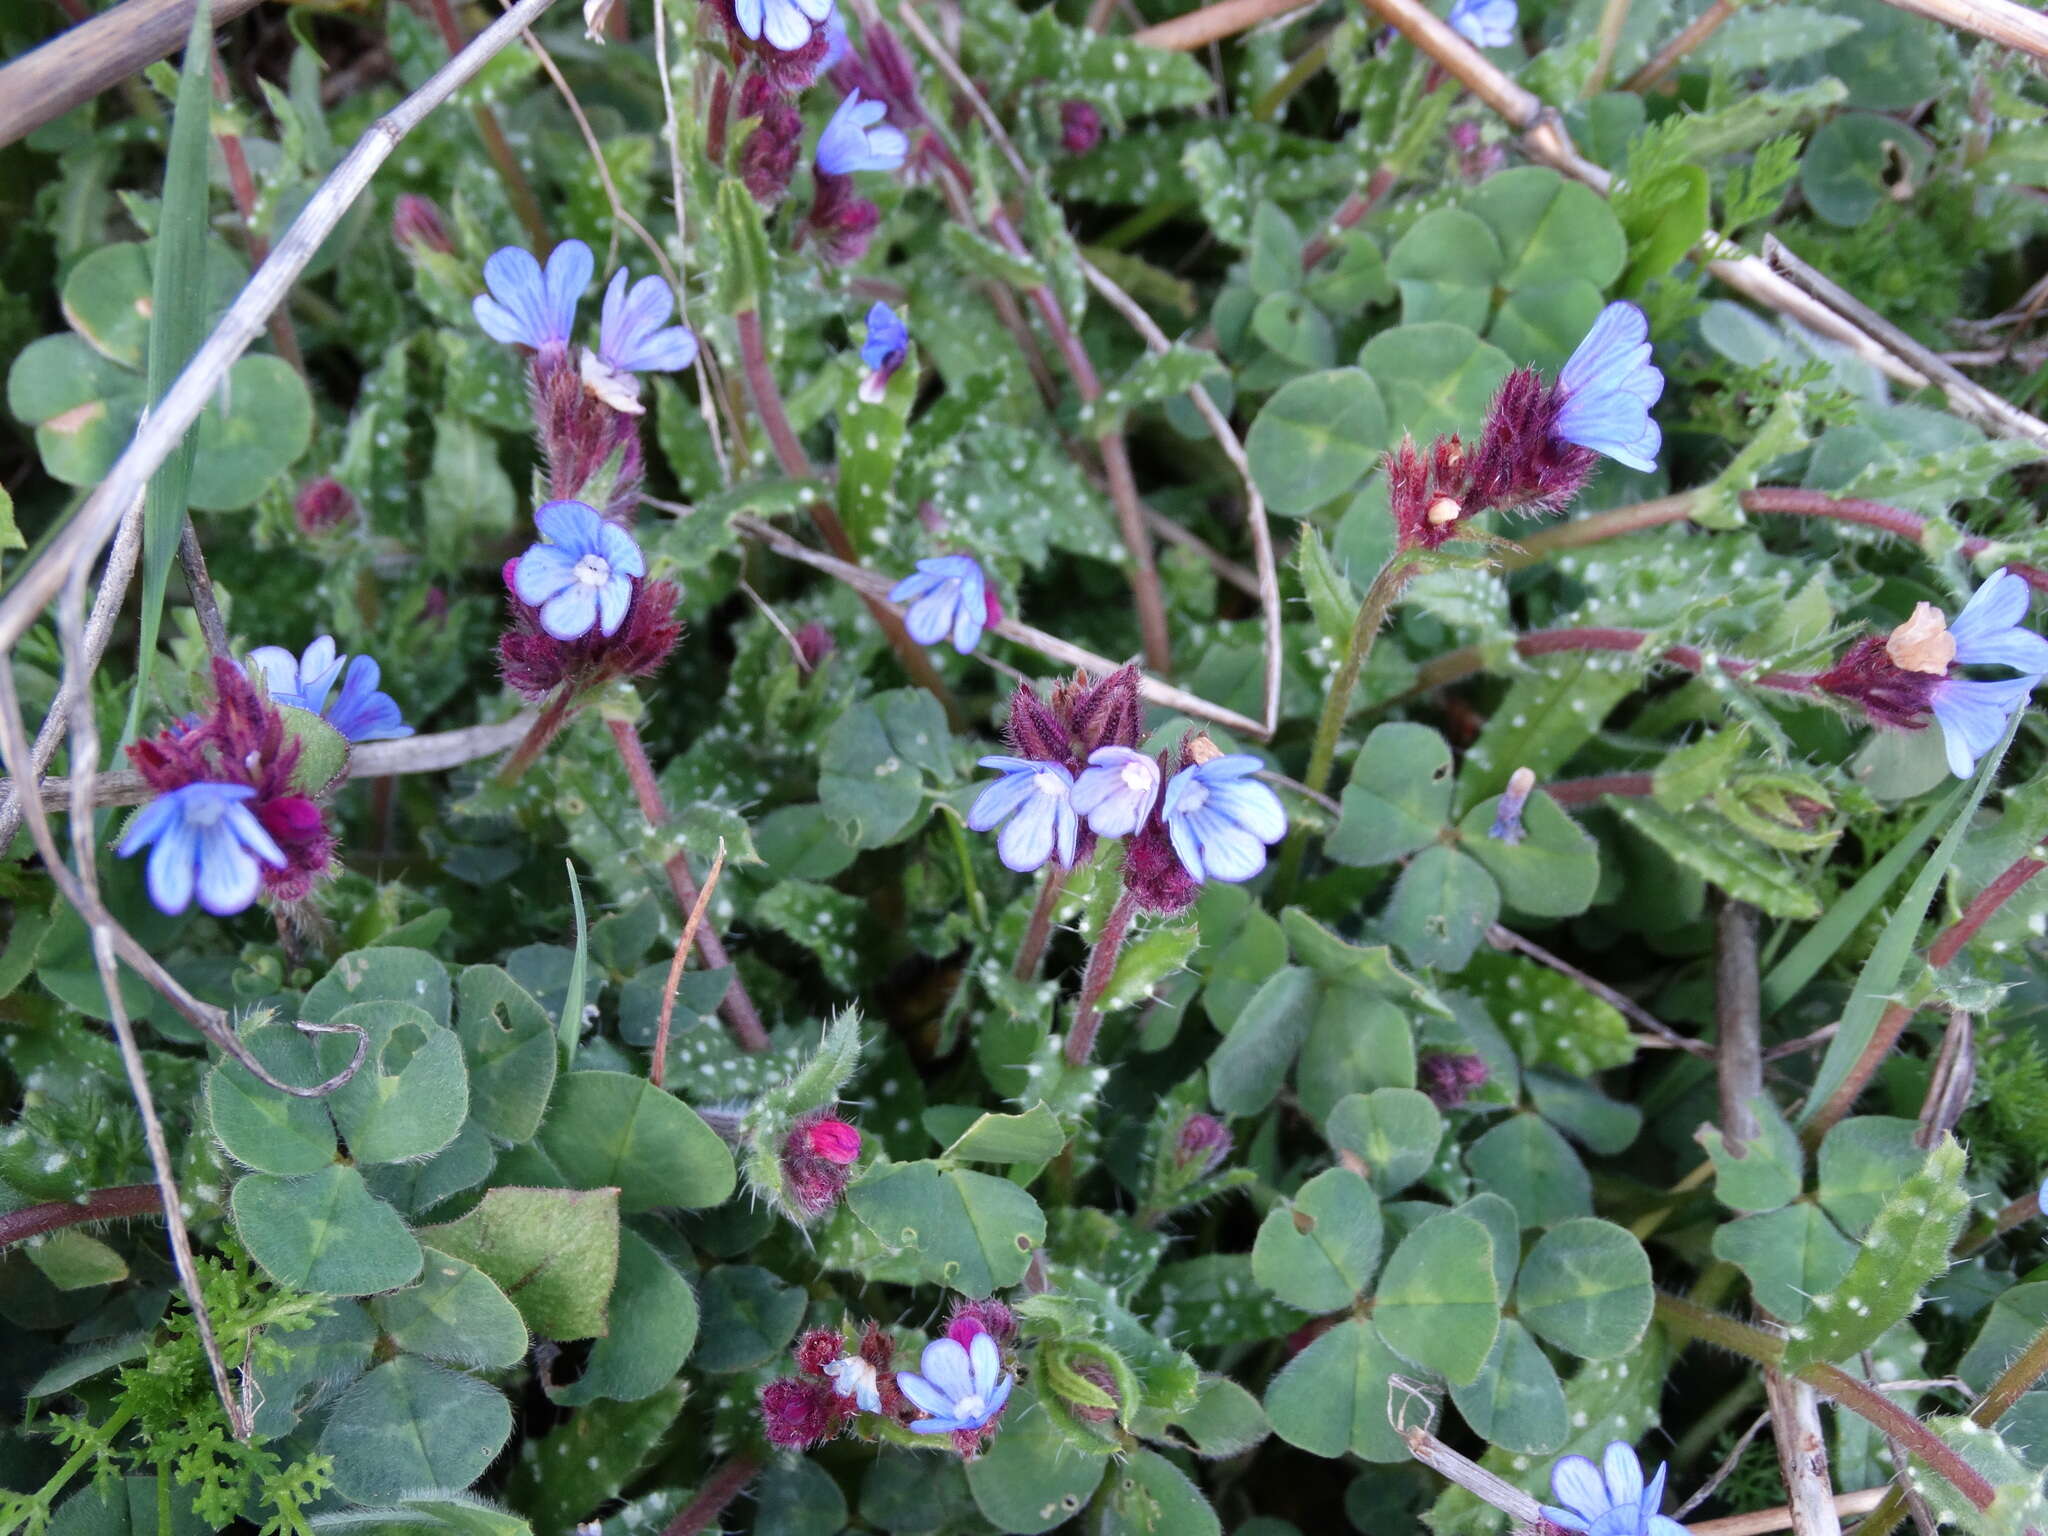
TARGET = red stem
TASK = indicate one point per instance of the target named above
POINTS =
(524, 204)
(1833, 1382)
(719, 1490)
(789, 453)
(1896, 1016)
(1598, 787)
(543, 730)
(243, 186)
(736, 1005)
(1101, 965)
(1038, 931)
(1349, 212)
(121, 1203)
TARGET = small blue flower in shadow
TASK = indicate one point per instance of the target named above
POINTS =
(1485, 23)
(202, 838)
(1610, 1499)
(947, 594)
(856, 139)
(361, 713)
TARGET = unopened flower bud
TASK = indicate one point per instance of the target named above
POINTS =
(817, 1349)
(797, 1413)
(1204, 1142)
(1444, 509)
(323, 506)
(817, 1156)
(1507, 817)
(1449, 1077)
(1198, 748)
(833, 1140)
(991, 1317)
(1093, 1374)
(416, 225)
(1080, 127)
(814, 643)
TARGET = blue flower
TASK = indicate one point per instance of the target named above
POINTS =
(947, 594)
(856, 139)
(887, 339)
(1117, 790)
(528, 307)
(304, 682)
(635, 336)
(855, 1378)
(836, 44)
(1610, 1499)
(957, 1388)
(1485, 23)
(1987, 633)
(1037, 800)
(1608, 386)
(1507, 815)
(786, 23)
(581, 578)
(1220, 820)
(202, 836)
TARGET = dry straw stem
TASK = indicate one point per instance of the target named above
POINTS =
(875, 588)
(1764, 1521)
(1213, 23)
(79, 542)
(77, 65)
(1803, 1449)
(2000, 20)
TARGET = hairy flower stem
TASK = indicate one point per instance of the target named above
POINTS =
(120, 1203)
(1833, 1383)
(790, 455)
(543, 730)
(736, 1005)
(1038, 932)
(719, 1490)
(1101, 966)
(1380, 598)
(1349, 212)
(1896, 1016)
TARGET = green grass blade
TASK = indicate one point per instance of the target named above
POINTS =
(1881, 972)
(176, 327)
(1818, 944)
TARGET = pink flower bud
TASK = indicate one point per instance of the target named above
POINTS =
(324, 505)
(1204, 1142)
(814, 643)
(833, 1140)
(1080, 127)
(416, 225)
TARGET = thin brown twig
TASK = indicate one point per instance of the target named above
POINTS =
(1763, 1521)
(1666, 59)
(1721, 1474)
(2014, 26)
(1802, 1455)
(658, 1068)
(1213, 23)
(1501, 937)
(874, 586)
(1738, 1026)
(193, 561)
(518, 190)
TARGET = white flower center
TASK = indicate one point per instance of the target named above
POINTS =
(1048, 784)
(849, 1374)
(1194, 797)
(204, 810)
(1137, 776)
(970, 1407)
(593, 570)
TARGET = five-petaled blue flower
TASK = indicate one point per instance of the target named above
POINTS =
(1973, 715)
(361, 713)
(635, 336)
(201, 836)
(1485, 23)
(785, 23)
(947, 594)
(1220, 819)
(1117, 790)
(856, 139)
(527, 306)
(883, 351)
(1037, 801)
(1610, 1499)
(581, 578)
(957, 1388)
(1607, 387)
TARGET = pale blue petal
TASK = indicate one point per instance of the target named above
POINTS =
(931, 616)
(149, 824)
(784, 26)
(1026, 841)
(228, 876)
(970, 616)
(886, 338)
(936, 1426)
(1000, 1396)
(817, 10)
(999, 800)
(613, 598)
(748, 14)
(1664, 1525)
(252, 835)
(542, 571)
(571, 613)
(915, 585)
(1066, 833)
(1653, 1496)
(946, 1365)
(1485, 23)
(280, 669)
(516, 310)
(171, 866)
(985, 1361)
(1623, 1471)
(1999, 604)
(570, 265)
(1009, 764)
(923, 1393)
(1564, 1517)
(2020, 649)
(1229, 852)
(619, 551)
(362, 713)
(1252, 806)
(1185, 844)
(1578, 1485)
(498, 322)
(573, 525)
(1973, 716)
